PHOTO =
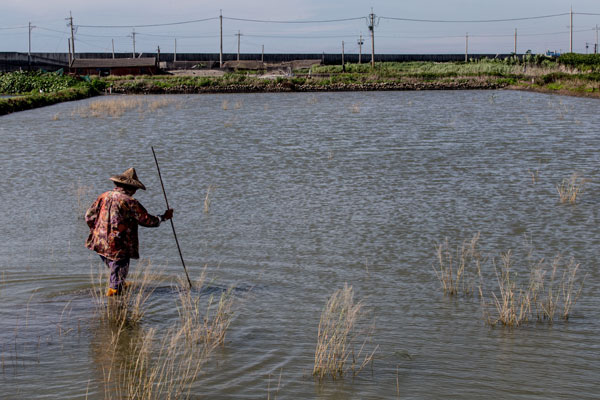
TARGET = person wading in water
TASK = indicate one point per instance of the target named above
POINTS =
(113, 220)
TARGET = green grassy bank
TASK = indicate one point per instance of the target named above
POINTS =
(570, 74)
(38, 89)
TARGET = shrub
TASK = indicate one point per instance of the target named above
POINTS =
(25, 82)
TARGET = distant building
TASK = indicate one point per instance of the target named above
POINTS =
(114, 66)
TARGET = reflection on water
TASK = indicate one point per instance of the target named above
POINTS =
(305, 193)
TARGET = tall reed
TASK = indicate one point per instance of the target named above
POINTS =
(207, 199)
(456, 271)
(337, 336)
(83, 196)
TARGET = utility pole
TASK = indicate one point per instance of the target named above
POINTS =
(133, 37)
(158, 55)
(70, 57)
(515, 41)
(596, 46)
(175, 51)
(467, 47)
(70, 19)
(238, 53)
(360, 43)
(262, 54)
(113, 47)
(571, 33)
(221, 45)
(29, 51)
(372, 29)
(343, 65)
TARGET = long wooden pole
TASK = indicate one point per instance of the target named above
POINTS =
(171, 220)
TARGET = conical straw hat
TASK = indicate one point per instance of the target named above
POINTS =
(130, 178)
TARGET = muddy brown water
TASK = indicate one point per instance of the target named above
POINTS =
(310, 191)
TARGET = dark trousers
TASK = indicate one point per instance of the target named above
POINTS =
(118, 272)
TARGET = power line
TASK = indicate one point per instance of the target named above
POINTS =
(301, 37)
(177, 36)
(475, 21)
(481, 35)
(15, 27)
(148, 25)
(294, 22)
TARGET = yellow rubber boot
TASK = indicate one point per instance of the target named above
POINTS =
(111, 292)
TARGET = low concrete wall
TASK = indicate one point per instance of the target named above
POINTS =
(14, 61)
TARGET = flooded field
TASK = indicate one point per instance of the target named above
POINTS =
(288, 197)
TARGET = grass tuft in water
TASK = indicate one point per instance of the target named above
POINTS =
(455, 270)
(337, 335)
(549, 294)
(570, 189)
(205, 324)
(115, 107)
(512, 305)
(147, 363)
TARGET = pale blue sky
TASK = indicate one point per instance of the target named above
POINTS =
(391, 36)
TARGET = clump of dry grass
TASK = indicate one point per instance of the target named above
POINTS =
(151, 366)
(513, 304)
(544, 297)
(570, 189)
(115, 107)
(456, 270)
(161, 103)
(156, 364)
(225, 105)
(337, 335)
(559, 292)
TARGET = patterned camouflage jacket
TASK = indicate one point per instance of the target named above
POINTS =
(113, 220)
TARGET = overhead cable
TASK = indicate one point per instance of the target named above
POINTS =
(15, 27)
(177, 36)
(294, 22)
(480, 35)
(475, 20)
(300, 37)
(148, 25)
